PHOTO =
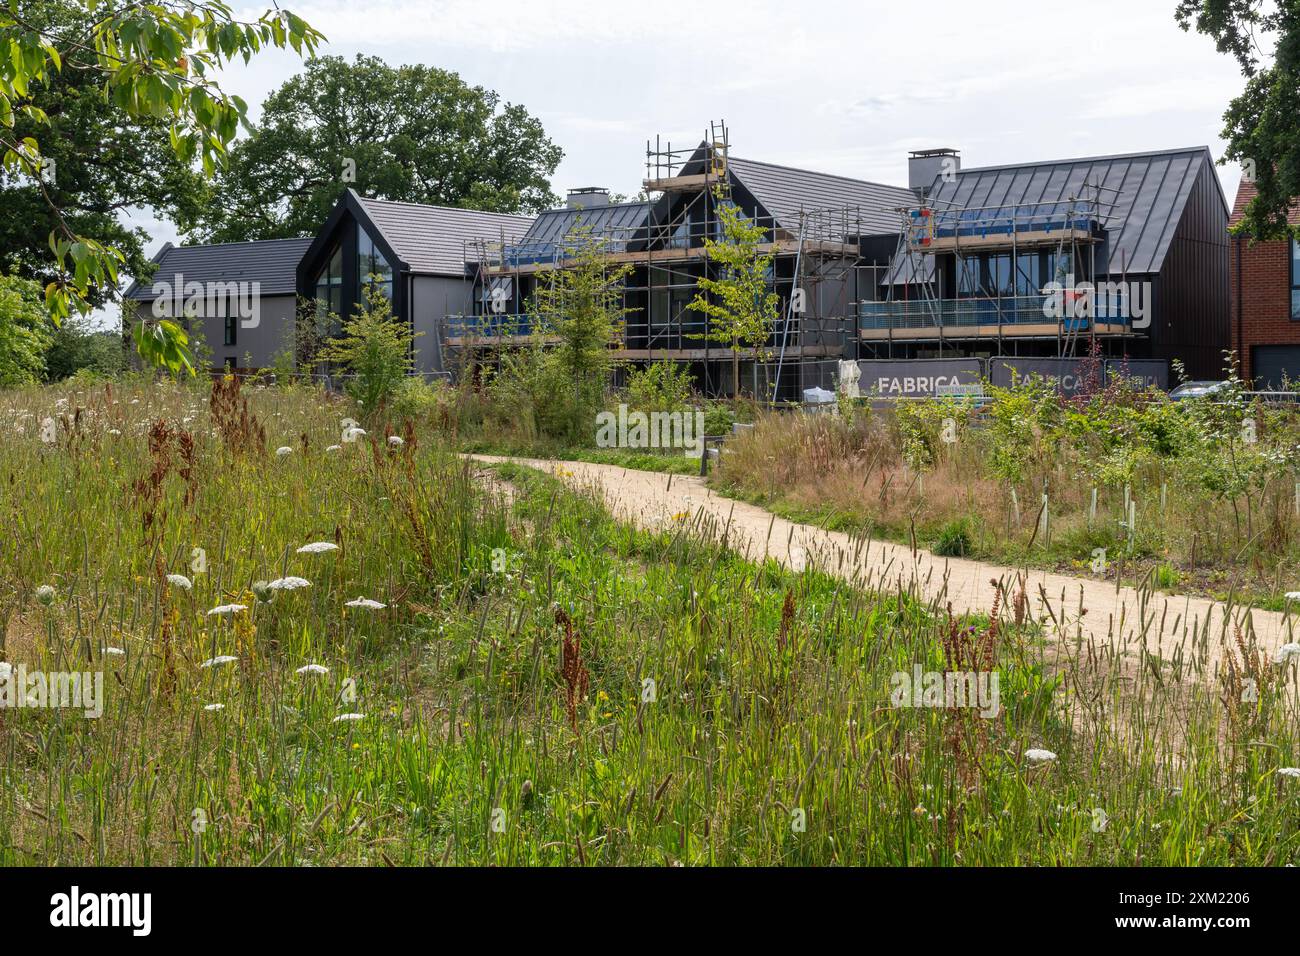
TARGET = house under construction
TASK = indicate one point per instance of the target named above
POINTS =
(1117, 256)
(814, 228)
(1122, 255)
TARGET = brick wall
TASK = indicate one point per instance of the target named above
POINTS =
(1261, 295)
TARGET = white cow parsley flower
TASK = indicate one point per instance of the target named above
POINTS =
(288, 584)
(222, 610)
(318, 547)
(220, 661)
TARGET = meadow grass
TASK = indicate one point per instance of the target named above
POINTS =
(1211, 515)
(545, 685)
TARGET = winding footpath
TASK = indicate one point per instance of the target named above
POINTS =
(1184, 630)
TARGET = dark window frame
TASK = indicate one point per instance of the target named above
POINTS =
(1293, 249)
(369, 261)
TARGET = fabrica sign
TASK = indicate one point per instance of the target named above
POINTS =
(1144, 372)
(917, 378)
(1069, 374)
(1066, 373)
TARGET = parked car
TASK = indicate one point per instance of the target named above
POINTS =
(1196, 390)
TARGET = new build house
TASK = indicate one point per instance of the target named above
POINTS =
(238, 300)
(241, 298)
(812, 226)
(1126, 255)
(1123, 255)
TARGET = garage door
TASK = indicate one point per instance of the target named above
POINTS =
(1274, 363)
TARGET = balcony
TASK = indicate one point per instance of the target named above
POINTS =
(682, 338)
(490, 329)
(976, 318)
(1022, 224)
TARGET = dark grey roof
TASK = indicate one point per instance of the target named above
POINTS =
(615, 223)
(431, 239)
(270, 262)
(783, 191)
(1149, 192)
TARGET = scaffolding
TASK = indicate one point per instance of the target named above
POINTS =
(815, 257)
(1070, 229)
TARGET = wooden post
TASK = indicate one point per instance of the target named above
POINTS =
(1044, 525)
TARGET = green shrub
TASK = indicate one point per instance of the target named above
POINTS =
(375, 348)
(25, 332)
(660, 387)
(419, 400)
(718, 419)
(954, 539)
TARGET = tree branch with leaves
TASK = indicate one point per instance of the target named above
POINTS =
(155, 60)
(1262, 124)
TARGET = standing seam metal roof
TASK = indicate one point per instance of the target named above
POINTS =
(1153, 189)
(616, 222)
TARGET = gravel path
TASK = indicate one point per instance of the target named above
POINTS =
(1184, 629)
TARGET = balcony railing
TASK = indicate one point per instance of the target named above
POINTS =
(685, 330)
(491, 326)
(965, 313)
(1010, 220)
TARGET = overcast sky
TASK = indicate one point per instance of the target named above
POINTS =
(840, 87)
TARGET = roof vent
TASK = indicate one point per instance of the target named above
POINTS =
(587, 196)
(926, 165)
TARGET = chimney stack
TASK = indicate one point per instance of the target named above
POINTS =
(587, 196)
(926, 165)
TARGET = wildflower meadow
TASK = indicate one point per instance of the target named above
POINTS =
(328, 638)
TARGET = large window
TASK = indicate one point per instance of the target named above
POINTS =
(1060, 268)
(989, 275)
(968, 277)
(999, 276)
(681, 237)
(1029, 275)
(1295, 280)
(329, 284)
(372, 267)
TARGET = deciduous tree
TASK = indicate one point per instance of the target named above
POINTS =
(1262, 124)
(153, 61)
(407, 133)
